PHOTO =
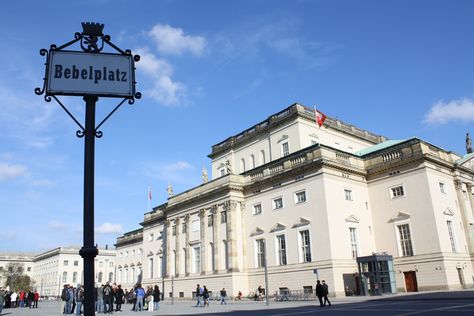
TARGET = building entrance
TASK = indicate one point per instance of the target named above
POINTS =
(410, 281)
(376, 274)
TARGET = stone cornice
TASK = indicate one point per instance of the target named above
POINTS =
(292, 112)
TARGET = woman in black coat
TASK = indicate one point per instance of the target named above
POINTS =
(156, 298)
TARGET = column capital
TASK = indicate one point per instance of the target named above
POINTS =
(229, 205)
(202, 212)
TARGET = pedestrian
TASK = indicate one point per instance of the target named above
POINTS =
(108, 298)
(119, 295)
(30, 298)
(36, 299)
(325, 293)
(205, 295)
(69, 299)
(223, 296)
(2, 298)
(13, 298)
(140, 295)
(79, 299)
(319, 292)
(198, 295)
(239, 295)
(149, 298)
(156, 298)
(100, 299)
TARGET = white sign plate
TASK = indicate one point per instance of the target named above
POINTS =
(79, 73)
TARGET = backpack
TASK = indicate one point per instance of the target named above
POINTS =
(64, 295)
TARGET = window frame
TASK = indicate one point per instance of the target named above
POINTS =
(257, 209)
(285, 149)
(348, 194)
(274, 203)
(296, 199)
(279, 252)
(302, 254)
(400, 247)
(394, 194)
(259, 252)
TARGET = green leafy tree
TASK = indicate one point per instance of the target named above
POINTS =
(14, 276)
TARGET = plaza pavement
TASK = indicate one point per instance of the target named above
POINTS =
(425, 303)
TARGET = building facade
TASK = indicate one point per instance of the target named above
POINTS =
(52, 269)
(309, 202)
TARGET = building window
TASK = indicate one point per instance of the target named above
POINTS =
(262, 157)
(260, 252)
(150, 237)
(405, 240)
(65, 263)
(397, 191)
(348, 194)
(305, 246)
(300, 197)
(210, 220)
(74, 277)
(111, 264)
(197, 259)
(150, 268)
(252, 161)
(281, 246)
(173, 230)
(64, 277)
(222, 172)
(99, 279)
(101, 263)
(111, 277)
(196, 225)
(354, 245)
(223, 217)
(442, 187)
(257, 209)
(76, 263)
(451, 235)
(277, 203)
(285, 149)
(242, 165)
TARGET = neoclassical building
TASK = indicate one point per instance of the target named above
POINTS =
(51, 269)
(363, 212)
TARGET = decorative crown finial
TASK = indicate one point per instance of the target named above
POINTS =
(92, 29)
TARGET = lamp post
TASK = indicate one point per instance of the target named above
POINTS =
(266, 271)
(90, 74)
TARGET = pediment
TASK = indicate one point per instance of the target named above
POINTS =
(150, 253)
(159, 252)
(352, 219)
(277, 227)
(448, 212)
(283, 137)
(256, 231)
(400, 216)
(301, 222)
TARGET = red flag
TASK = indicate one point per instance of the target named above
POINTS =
(320, 117)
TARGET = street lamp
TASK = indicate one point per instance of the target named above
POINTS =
(266, 271)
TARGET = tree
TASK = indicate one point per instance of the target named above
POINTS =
(15, 277)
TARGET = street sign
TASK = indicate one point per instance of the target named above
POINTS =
(82, 73)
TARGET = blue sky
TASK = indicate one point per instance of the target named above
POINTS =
(209, 70)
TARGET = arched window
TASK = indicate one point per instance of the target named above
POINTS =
(99, 278)
(111, 277)
(262, 157)
(242, 165)
(252, 161)
(74, 277)
(64, 277)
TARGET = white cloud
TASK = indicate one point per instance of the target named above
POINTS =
(178, 166)
(164, 90)
(55, 225)
(456, 110)
(173, 41)
(9, 171)
(109, 228)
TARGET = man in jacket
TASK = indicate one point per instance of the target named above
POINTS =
(325, 293)
(320, 293)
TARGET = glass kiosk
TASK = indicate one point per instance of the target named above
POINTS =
(376, 273)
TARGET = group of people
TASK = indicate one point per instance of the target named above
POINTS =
(106, 295)
(12, 299)
(203, 295)
(322, 292)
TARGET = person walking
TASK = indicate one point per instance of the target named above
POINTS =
(320, 292)
(30, 298)
(223, 296)
(325, 293)
(35, 304)
(205, 295)
(119, 295)
(156, 298)
(198, 295)
(69, 299)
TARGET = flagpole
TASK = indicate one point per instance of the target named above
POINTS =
(149, 198)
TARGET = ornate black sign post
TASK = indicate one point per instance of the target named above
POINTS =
(89, 73)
